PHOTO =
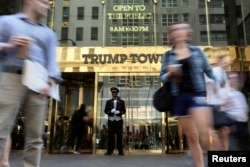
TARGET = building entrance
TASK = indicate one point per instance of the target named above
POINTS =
(76, 89)
(144, 128)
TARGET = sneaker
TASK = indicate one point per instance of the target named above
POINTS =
(76, 152)
(63, 149)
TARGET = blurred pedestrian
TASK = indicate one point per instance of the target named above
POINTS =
(23, 36)
(214, 90)
(220, 71)
(222, 121)
(239, 112)
(184, 66)
(78, 122)
(115, 108)
(221, 78)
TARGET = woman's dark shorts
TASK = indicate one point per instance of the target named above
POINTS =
(184, 101)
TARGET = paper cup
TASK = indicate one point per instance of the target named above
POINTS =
(24, 50)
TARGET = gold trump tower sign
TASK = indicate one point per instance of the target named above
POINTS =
(124, 59)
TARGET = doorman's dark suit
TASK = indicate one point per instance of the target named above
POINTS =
(115, 124)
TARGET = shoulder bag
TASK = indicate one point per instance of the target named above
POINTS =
(162, 98)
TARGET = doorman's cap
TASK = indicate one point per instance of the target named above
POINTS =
(114, 89)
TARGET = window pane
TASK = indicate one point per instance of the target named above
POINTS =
(80, 13)
(114, 1)
(79, 34)
(146, 21)
(185, 17)
(169, 3)
(130, 39)
(64, 33)
(114, 21)
(146, 38)
(185, 2)
(95, 13)
(65, 16)
(94, 33)
(111, 79)
(168, 19)
(165, 40)
(114, 40)
(203, 36)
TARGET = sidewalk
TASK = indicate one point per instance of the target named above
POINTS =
(90, 160)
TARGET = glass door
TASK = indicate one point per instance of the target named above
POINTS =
(142, 128)
(76, 89)
(176, 142)
(69, 103)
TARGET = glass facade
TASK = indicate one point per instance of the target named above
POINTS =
(118, 43)
(142, 125)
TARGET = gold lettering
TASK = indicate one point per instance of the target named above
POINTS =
(140, 7)
(148, 15)
(137, 15)
(120, 16)
(113, 59)
(154, 58)
(121, 58)
(117, 29)
(115, 16)
(124, 8)
(129, 29)
(129, 8)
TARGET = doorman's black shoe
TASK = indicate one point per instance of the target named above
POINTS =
(108, 153)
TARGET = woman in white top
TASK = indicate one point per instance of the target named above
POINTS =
(234, 104)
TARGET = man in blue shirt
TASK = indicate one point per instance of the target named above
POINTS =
(23, 36)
